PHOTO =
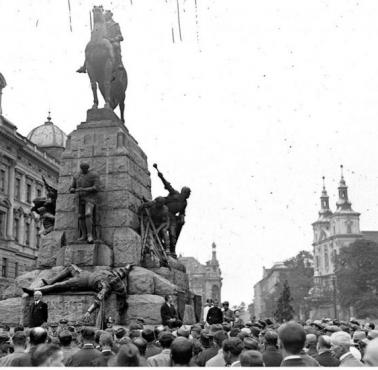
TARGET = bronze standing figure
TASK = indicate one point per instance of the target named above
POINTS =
(86, 185)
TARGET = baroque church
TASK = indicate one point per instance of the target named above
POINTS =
(332, 231)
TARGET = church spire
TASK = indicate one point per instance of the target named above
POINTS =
(324, 203)
(214, 252)
(343, 204)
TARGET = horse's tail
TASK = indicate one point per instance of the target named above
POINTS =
(118, 87)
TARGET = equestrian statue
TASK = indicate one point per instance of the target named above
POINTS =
(103, 61)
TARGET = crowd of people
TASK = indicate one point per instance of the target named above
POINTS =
(221, 340)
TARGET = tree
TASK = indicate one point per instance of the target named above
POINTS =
(357, 277)
(300, 279)
(284, 311)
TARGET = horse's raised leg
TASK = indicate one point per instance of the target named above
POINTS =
(95, 97)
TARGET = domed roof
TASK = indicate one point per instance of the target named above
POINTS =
(48, 135)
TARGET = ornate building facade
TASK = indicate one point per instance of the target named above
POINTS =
(22, 165)
(332, 231)
(204, 280)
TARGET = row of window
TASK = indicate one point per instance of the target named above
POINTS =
(16, 230)
(27, 232)
(17, 187)
(5, 271)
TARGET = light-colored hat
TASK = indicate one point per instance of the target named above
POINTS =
(341, 338)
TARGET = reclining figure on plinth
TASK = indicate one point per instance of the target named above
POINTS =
(103, 282)
(176, 203)
(86, 184)
(45, 208)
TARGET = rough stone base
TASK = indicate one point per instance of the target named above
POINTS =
(50, 245)
(146, 291)
(176, 277)
(84, 254)
(146, 306)
(11, 311)
(71, 306)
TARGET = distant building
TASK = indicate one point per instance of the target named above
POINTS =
(204, 280)
(332, 231)
(22, 164)
(266, 287)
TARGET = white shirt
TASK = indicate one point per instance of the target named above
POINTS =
(205, 311)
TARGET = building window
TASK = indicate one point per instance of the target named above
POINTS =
(326, 260)
(17, 188)
(15, 269)
(28, 193)
(2, 180)
(38, 236)
(4, 267)
(27, 233)
(3, 221)
(16, 226)
(349, 224)
(39, 191)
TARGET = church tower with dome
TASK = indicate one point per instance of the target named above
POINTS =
(49, 138)
(332, 231)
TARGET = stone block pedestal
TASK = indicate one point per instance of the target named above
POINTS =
(50, 245)
(83, 254)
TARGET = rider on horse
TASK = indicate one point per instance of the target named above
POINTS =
(114, 35)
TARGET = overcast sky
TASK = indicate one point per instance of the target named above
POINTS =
(258, 101)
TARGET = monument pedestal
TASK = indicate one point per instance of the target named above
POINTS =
(106, 145)
(83, 254)
(50, 246)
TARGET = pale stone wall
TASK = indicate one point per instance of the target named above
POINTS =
(20, 159)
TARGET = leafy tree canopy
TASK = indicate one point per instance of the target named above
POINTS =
(357, 277)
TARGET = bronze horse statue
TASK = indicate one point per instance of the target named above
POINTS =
(100, 63)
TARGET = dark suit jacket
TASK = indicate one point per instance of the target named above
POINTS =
(104, 359)
(214, 316)
(326, 359)
(84, 357)
(38, 314)
(272, 357)
(167, 312)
